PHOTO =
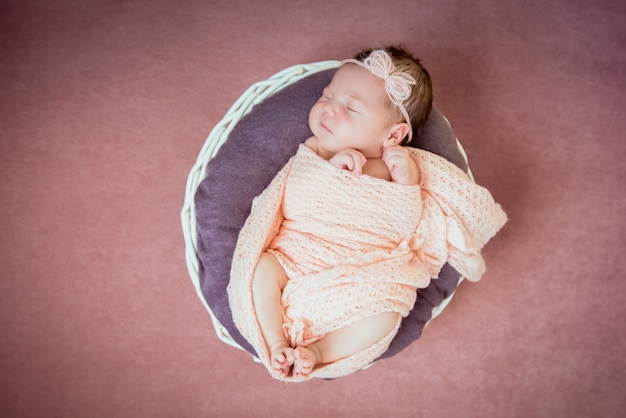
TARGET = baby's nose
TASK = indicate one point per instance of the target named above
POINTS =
(331, 108)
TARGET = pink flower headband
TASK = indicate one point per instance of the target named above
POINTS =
(397, 84)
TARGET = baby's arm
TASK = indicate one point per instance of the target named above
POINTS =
(401, 165)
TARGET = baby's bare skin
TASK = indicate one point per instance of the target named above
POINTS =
(282, 358)
(301, 360)
(306, 360)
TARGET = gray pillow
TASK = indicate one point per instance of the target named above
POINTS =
(257, 148)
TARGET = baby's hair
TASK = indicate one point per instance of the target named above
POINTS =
(420, 102)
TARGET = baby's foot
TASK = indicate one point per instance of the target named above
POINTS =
(281, 358)
(306, 359)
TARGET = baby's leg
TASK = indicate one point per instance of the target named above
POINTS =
(344, 342)
(268, 281)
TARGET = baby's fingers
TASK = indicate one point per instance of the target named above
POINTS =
(358, 161)
(343, 161)
(350, 160)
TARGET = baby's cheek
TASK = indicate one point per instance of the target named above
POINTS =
(313, 116)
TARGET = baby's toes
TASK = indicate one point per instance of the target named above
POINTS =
(304, 371)
(289, 357)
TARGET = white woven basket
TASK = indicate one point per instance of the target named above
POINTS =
(251, 97)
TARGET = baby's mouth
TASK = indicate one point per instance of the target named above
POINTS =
(323, 125)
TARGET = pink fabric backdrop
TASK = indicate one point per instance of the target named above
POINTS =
(103, 109)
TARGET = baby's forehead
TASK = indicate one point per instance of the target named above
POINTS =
(357, 80)
(349, 70)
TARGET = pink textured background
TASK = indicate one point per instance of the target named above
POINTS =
(104, 106)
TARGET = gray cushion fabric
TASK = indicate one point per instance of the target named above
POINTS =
(257, 148)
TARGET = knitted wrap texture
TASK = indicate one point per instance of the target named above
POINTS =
(354, 247)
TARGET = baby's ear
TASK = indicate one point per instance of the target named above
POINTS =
(396, 134)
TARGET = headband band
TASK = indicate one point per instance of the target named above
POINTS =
(397, 83)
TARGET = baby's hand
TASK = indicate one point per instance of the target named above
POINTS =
(349, 159)
(401, 165)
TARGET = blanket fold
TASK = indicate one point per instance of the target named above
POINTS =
(378, 243)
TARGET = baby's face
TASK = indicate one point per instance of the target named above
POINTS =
(352, 113)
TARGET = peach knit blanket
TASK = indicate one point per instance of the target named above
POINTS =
(353, 247)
